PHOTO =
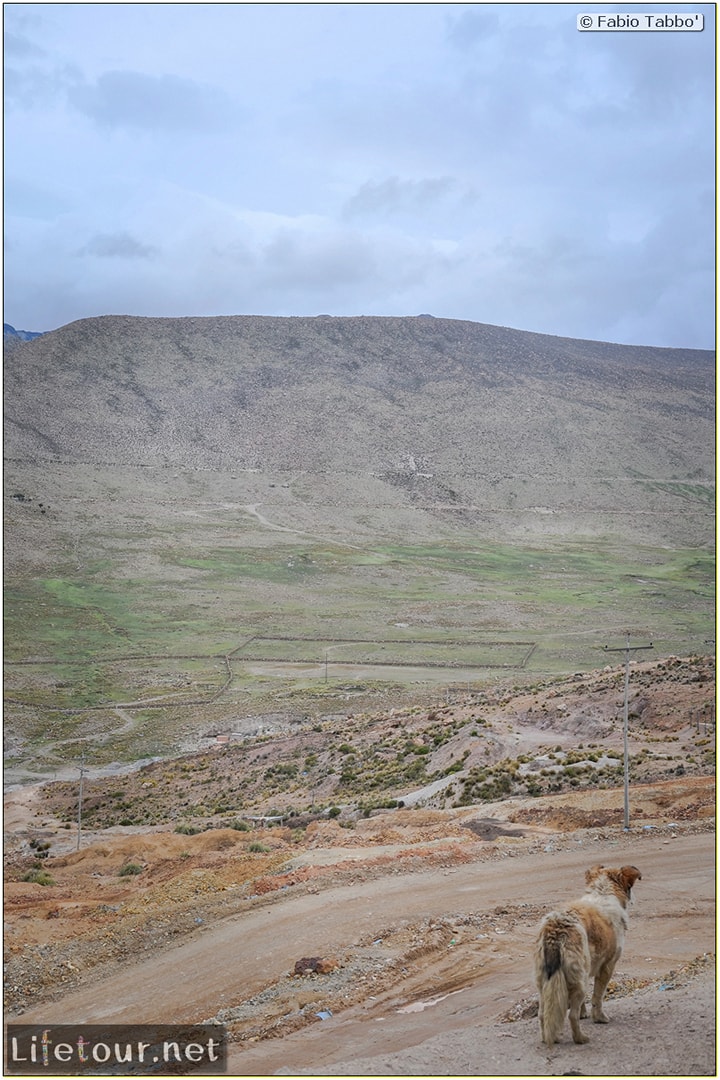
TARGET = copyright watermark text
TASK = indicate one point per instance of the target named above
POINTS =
(643, 21)
(113, 1050)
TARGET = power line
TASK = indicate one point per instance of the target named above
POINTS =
(627, 648)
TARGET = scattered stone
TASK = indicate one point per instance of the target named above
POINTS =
(316, 965)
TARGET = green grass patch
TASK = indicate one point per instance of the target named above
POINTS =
(107, 637)
(699, 493)
(282, 566)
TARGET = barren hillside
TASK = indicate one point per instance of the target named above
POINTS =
(438, 411)
(319, 608)
(244, 523)
(393, 940)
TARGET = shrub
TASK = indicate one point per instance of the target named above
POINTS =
(187, 830)
(130, 869)
(39, 877)
(257, 847)
(416, 771)
(42, 849)
(278, 774)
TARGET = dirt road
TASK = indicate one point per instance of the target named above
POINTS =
(440, 1015)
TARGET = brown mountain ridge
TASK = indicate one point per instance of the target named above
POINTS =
(211, 516)
(430, 411)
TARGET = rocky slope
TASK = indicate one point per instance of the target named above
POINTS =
(441, 407)
(174, 844)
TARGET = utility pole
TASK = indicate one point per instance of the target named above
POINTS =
(627, 648)
(80, 799)
(710, 641)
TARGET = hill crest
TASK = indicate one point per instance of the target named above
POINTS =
(355, 393)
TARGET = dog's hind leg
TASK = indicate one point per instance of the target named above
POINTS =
(577, 1004)
(600, 986)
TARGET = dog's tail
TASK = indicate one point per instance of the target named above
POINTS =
(561, 963)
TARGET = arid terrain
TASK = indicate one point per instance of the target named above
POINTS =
(415, 921)
(237, 524)
(315, 634)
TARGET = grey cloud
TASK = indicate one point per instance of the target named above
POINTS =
(30, 200)
(36, 85)
(310, 263)
(17, 45)
(465, 30)
(463, 126)
(118, 245)
(641, 291)
(558, 281)
(658, 81)
(166, 102)
(394, 194)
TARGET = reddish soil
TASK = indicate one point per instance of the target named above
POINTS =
(426, 928)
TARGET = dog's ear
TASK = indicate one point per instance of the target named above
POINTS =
(631, 874)
(627, 876)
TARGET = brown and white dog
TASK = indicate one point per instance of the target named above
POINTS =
(585, 940)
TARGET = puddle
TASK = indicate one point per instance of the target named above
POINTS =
(420, 1006)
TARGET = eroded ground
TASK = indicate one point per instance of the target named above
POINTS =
(413, 925)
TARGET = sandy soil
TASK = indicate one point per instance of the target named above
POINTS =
(414, 925)
(428, 939)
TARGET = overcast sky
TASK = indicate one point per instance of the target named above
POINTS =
(472, 161)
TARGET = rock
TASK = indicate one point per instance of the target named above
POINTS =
(315, 965)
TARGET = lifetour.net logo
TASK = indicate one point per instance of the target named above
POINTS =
(129, 1050)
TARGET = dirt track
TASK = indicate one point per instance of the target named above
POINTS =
(422, 916)
(442, 1016)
